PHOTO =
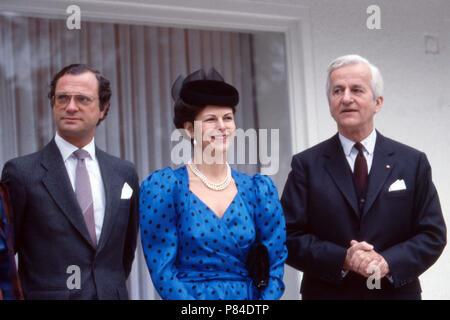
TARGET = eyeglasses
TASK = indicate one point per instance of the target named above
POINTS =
(63, 99)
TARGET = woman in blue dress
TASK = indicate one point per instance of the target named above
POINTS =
(201, 223)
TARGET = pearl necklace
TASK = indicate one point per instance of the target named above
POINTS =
(217, 187)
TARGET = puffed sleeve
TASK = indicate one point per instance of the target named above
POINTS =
(158, 220)
(271, 231)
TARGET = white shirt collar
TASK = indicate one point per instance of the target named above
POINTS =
(368, 143)
(67, 149)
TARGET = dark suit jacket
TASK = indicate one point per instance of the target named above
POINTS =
(322, 215)
(50, 233)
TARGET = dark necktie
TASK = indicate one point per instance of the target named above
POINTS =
(84, 193)
(360, 170)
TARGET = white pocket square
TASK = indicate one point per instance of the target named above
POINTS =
(126, 191)
(398, 185)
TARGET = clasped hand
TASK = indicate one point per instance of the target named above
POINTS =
(364, 260)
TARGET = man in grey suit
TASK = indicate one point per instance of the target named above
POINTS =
(75, 208)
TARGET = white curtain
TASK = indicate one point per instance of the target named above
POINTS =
(141, 62)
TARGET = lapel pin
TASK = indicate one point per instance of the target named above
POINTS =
(388, 166)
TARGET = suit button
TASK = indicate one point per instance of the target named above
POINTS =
(361, 203)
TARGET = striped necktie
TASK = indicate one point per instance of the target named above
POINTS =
(84, 193)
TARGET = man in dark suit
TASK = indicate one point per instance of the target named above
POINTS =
(363, 216)
(75, 208)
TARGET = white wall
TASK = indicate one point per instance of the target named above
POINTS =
(416, 107)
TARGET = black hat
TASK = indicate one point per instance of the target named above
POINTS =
(205, 89)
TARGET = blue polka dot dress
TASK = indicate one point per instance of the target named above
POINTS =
(5, 282)
(191, 253)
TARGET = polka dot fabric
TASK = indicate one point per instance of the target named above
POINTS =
(191, 253)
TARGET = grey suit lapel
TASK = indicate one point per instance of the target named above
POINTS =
(338, 168)
(58, 185)
(382, 166)
(113, 188)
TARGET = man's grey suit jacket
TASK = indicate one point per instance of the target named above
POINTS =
(50, 234)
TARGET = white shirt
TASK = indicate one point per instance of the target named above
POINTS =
(351, 152)
(95, 177)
